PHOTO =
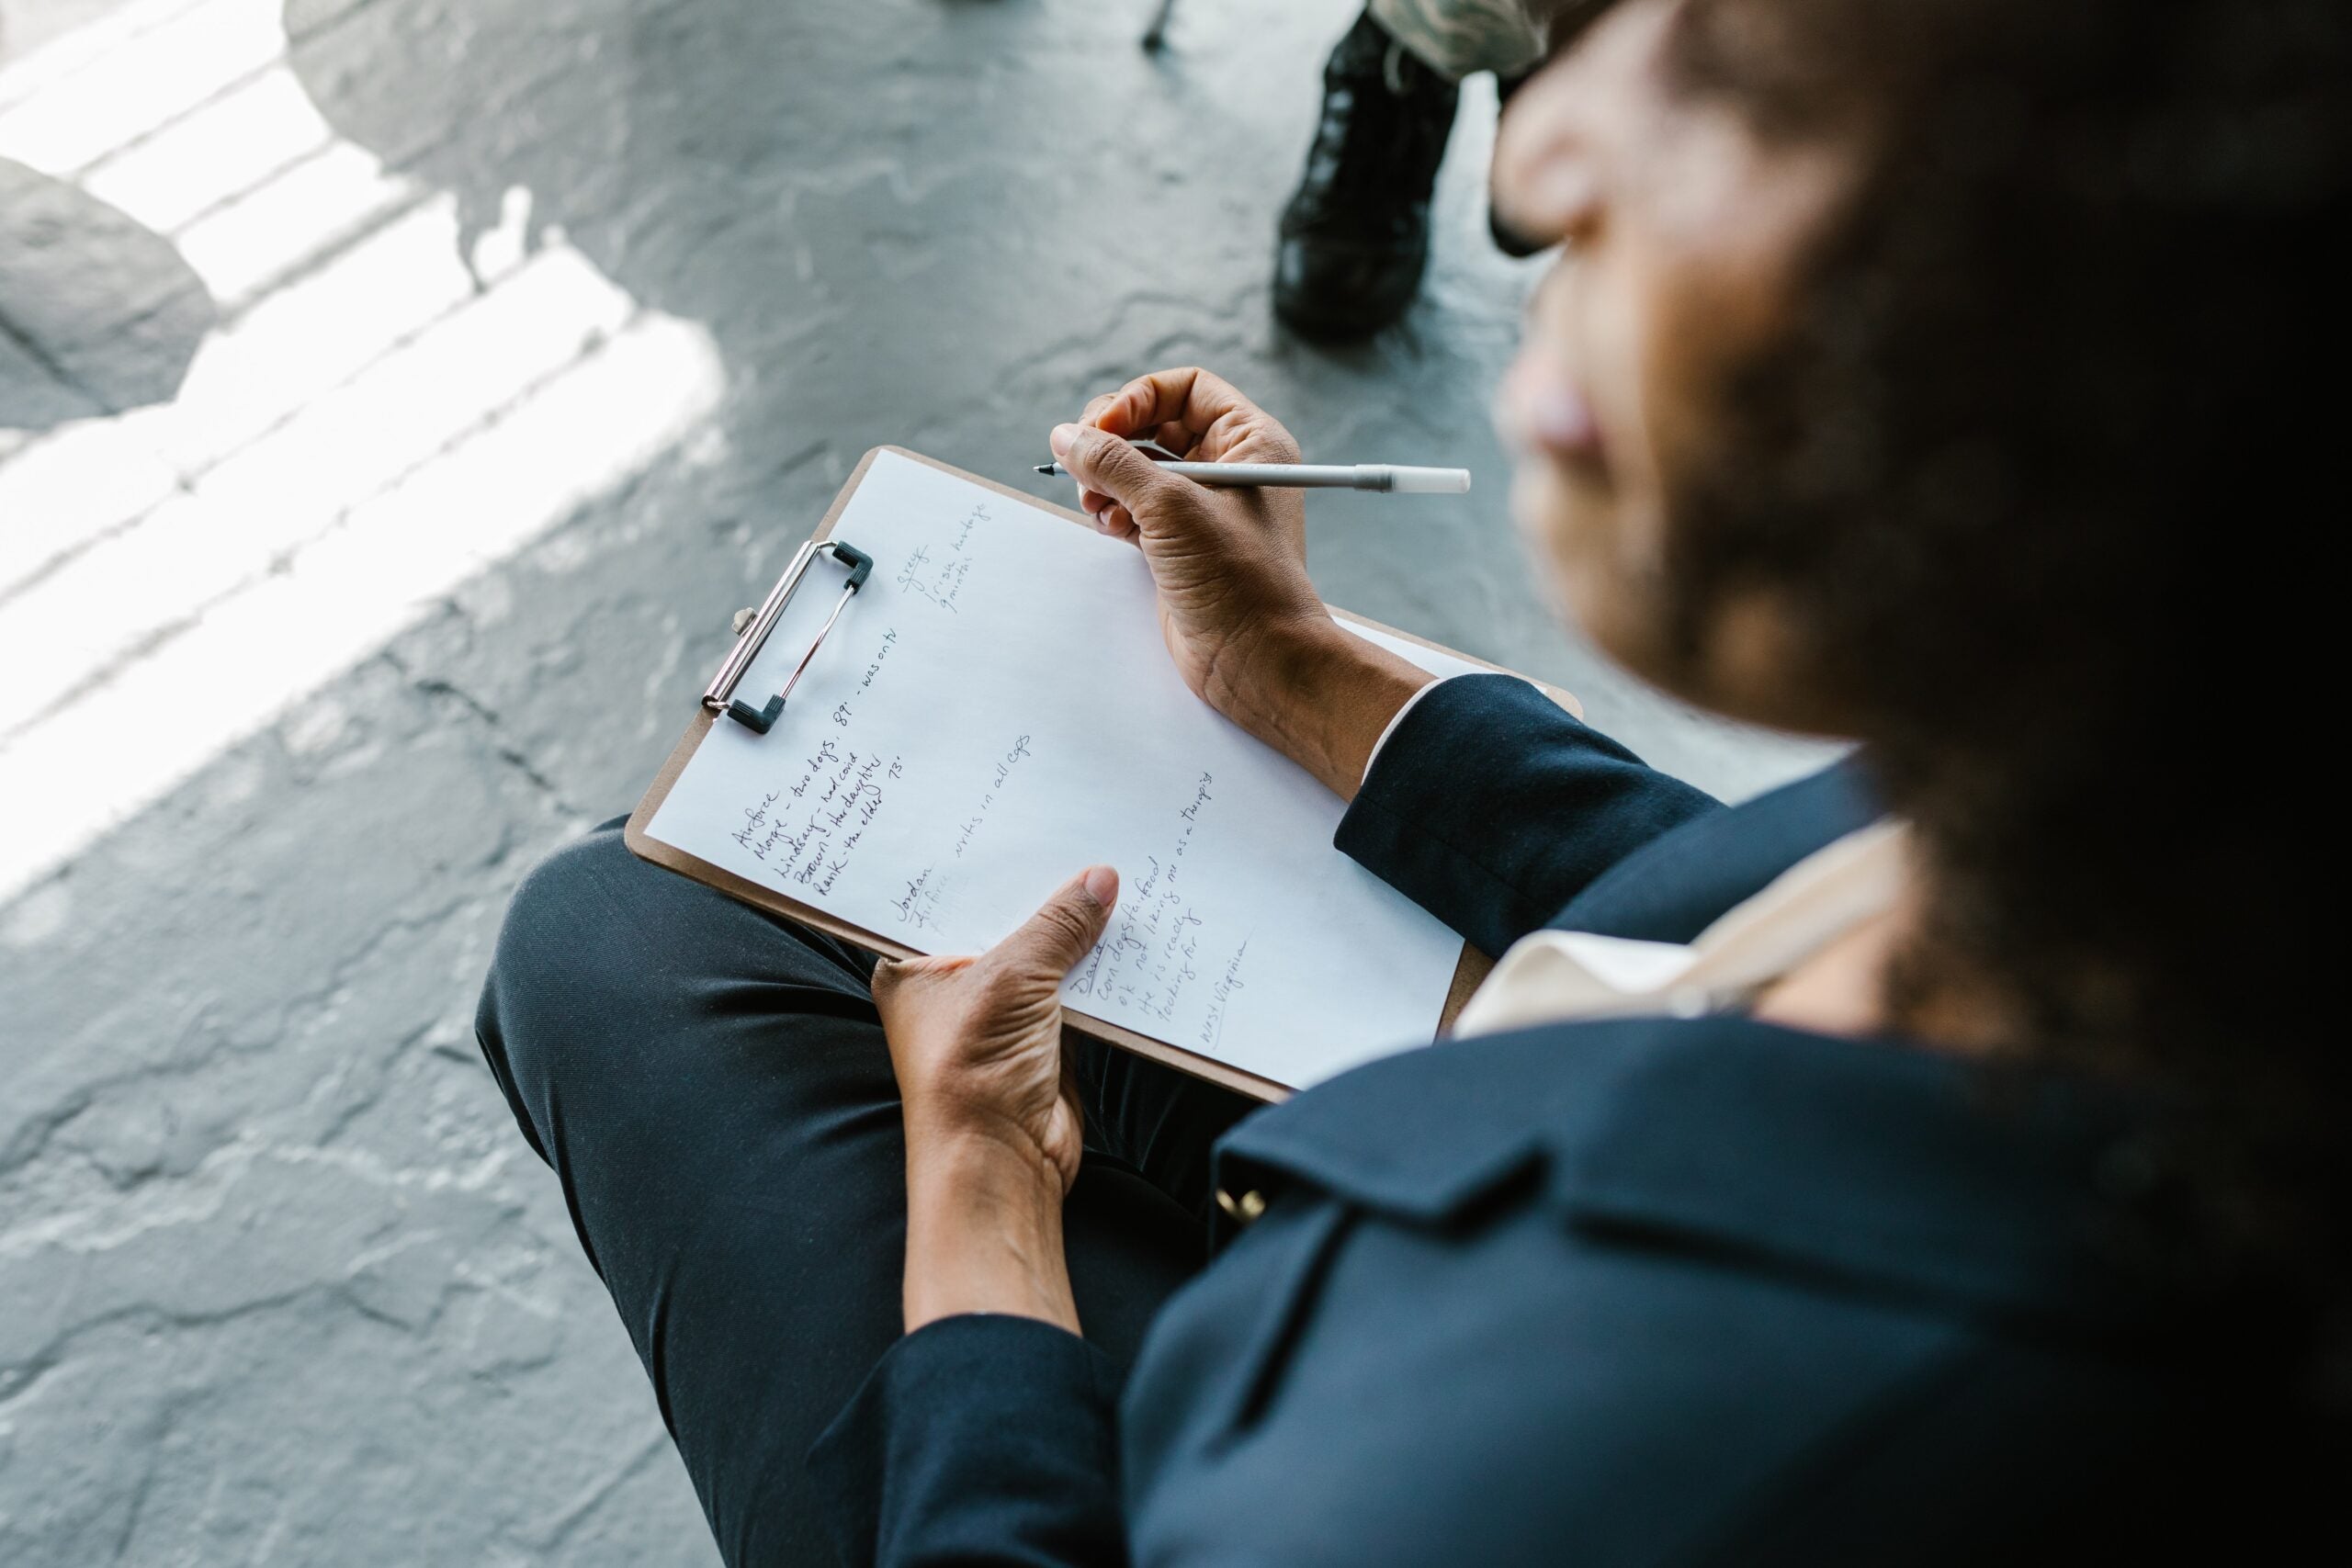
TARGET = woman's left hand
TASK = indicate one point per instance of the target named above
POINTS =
(992, 1124)
(977, 1040)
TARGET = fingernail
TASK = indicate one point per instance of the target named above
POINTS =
(1062, 439)
(1102, 885)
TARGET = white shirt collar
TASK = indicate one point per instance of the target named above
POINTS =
(1551, 977)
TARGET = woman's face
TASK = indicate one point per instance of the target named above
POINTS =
(1684, 234)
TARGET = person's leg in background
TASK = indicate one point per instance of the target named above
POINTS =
(1354, 240)
(711, 1085)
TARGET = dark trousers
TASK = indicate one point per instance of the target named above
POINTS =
(711, 1086)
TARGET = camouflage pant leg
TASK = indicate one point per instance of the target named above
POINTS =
(1456, 38)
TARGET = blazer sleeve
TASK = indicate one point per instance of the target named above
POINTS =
(982, 1439)
(1491, 807)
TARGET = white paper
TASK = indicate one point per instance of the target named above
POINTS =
(996, 711)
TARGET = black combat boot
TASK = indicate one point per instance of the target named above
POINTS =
(1355, 238)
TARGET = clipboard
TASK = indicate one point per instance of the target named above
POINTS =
(724, 702)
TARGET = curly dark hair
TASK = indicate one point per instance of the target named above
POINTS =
(2035, 473)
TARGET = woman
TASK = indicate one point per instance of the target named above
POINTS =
(1968, 1190)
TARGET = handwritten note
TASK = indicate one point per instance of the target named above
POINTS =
(995, 711)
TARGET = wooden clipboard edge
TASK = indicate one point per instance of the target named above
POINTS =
(1467, 973)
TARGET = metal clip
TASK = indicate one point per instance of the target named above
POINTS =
(753, 627)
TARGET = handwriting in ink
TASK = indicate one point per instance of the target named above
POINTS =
(1220, 996)
(826, 751)
(919, 905)
(889, 641)
(1148, 959)
(979, 514)
(755, 822)
(1015, 755)
(810, 843)
(938, 583)
(845, 710)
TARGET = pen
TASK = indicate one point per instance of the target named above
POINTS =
(1391, 476)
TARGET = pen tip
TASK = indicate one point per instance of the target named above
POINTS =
(1045, 467)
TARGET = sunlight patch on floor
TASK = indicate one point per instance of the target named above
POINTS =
(377, 417)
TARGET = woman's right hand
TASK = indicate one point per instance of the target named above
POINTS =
(1246, 627)
(1230, 564)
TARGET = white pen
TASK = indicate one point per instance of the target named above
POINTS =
(1394, 478)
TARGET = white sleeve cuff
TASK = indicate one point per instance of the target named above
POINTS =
(1397, 719)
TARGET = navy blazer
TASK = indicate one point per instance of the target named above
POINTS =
(1638, 1291)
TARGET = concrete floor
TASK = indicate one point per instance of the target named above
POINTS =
(395, 399)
